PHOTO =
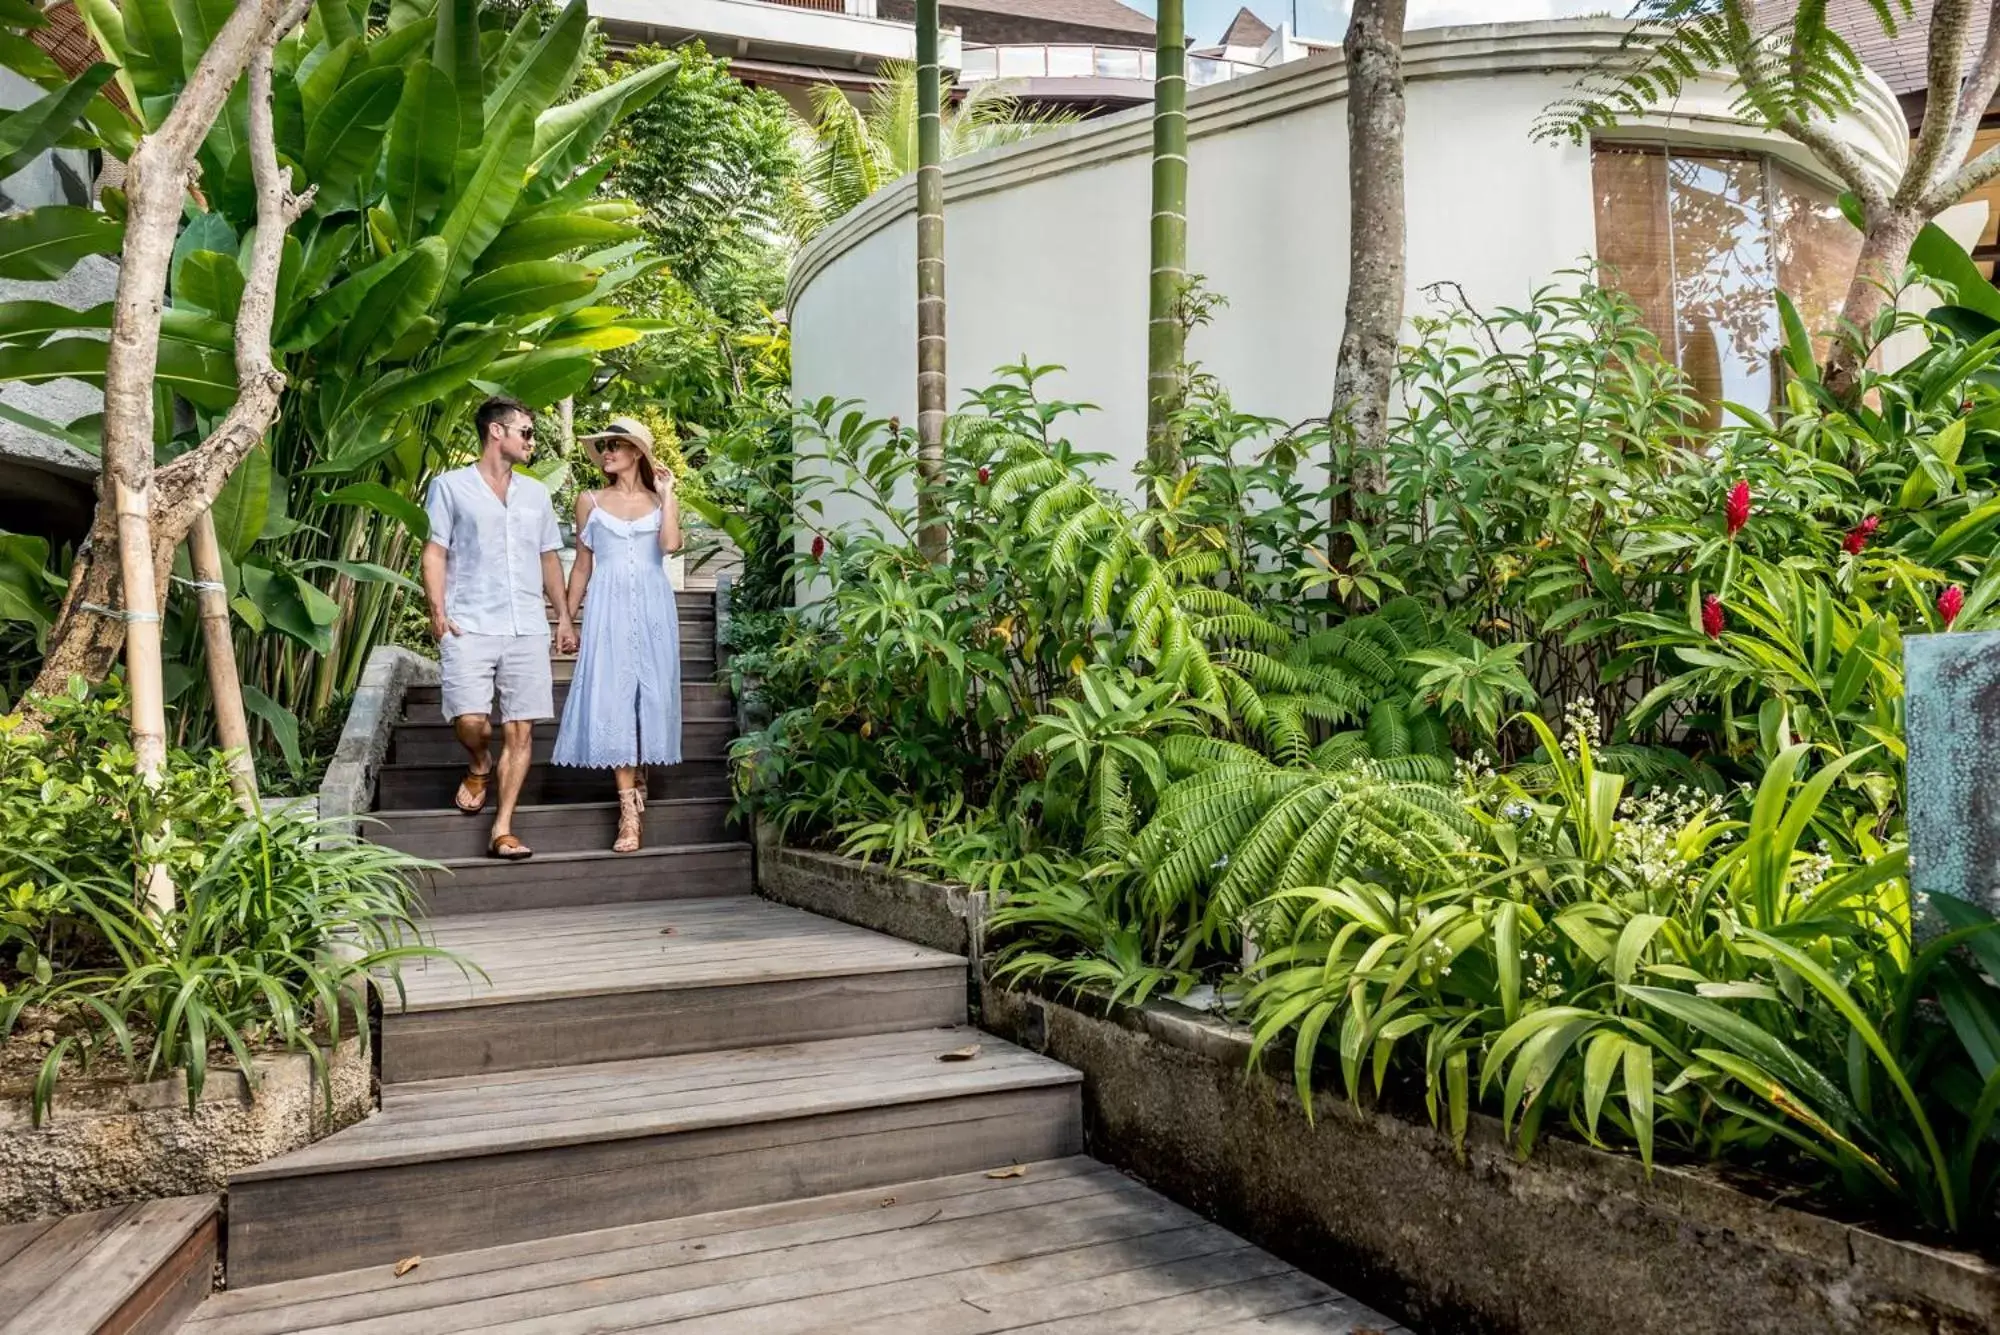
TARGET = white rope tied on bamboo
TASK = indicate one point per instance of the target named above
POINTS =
(118, 613)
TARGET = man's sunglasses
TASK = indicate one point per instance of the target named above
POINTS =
(526, 431)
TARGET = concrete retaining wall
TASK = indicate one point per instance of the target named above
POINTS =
(348, 789)
(930, 913)
(102, 1145)
(1574, 1241)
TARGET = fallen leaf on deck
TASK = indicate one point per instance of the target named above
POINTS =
(1018, 1170)
(964, 1054)
(407, 1264)
(888, 1201)
(669, 931)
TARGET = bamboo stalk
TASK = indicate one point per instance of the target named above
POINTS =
(1166, 332)
(225, 684)
(932, 536)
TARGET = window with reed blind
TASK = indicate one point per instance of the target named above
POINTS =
(1702, 241)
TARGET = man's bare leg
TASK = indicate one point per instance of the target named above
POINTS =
(517, 741)
(475, 734)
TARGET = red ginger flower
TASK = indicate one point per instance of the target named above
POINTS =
(985, 475)
(819, 546)
(1736, 513)
(1950, 603)
(1711, 616)
(1858, 536)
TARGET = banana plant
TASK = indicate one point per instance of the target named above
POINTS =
(457, 246)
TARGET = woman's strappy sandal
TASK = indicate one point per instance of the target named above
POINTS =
(631, 807)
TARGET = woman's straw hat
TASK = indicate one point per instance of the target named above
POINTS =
(626, 431)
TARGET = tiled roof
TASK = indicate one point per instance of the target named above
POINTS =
(1901, 59)
(1082, 13)
(1246, 29)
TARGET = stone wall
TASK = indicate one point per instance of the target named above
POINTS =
(348, 788)
(930, 913)
(1571, 1242)
(102, 1145)
(1574, 1241)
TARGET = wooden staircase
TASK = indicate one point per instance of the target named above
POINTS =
(665, 1103)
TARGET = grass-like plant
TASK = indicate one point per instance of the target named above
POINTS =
(283, 920)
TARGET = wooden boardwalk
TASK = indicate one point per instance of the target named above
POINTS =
(1068, 1246)
(131, 1269)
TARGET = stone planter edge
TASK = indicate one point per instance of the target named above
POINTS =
(1573, 1241)
(103, 1146)
(348, 788)
(929, 913)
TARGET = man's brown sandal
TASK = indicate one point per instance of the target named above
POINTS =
(472, 787)
(509, 849)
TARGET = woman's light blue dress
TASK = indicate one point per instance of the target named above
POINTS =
(625, 702)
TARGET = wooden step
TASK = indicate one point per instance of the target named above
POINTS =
(129, 1270)
(694, 667)
(688, 604)
(1069, 1247)
(699, 699)
(613, 982)
(598, 876)
(408, 787)
(447, 1165)
(422, 743)
(577, 827)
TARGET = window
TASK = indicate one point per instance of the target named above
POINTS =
(1023, 62)
(1702, 242)
(1070, 62)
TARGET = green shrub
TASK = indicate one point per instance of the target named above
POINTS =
(281, 922)
(1216, 737)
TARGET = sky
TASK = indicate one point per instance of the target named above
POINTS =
(1328, 18)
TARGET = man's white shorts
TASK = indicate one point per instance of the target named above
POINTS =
(476, 670)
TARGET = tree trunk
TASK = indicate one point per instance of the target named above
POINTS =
(1166, 330)
(1365, 374)
(225, 684)
(932, 536)
(1885, 251)
(90, 631)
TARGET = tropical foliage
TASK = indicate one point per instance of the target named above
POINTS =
(281, 921)
(458, 245)
(856, 152)
(1189, 748)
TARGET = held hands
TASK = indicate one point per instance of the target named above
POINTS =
(566, 639)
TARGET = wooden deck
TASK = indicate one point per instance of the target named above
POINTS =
(614, 982)
(610, 948)
(129, 1270)
(1067, 1246)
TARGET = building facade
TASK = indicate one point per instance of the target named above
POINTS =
(1086, 56)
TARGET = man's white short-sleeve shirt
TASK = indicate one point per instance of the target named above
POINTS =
(493, 571)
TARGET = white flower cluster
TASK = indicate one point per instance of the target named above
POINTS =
(1810, 870)
(1580, 724)
(1473, 772)
(1540, 983)
(1645, 845)
(1435, 959)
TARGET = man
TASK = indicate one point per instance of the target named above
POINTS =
(489, 564)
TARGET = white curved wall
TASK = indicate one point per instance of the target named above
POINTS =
(1046, 242)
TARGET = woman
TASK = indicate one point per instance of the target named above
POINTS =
(624, 709)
